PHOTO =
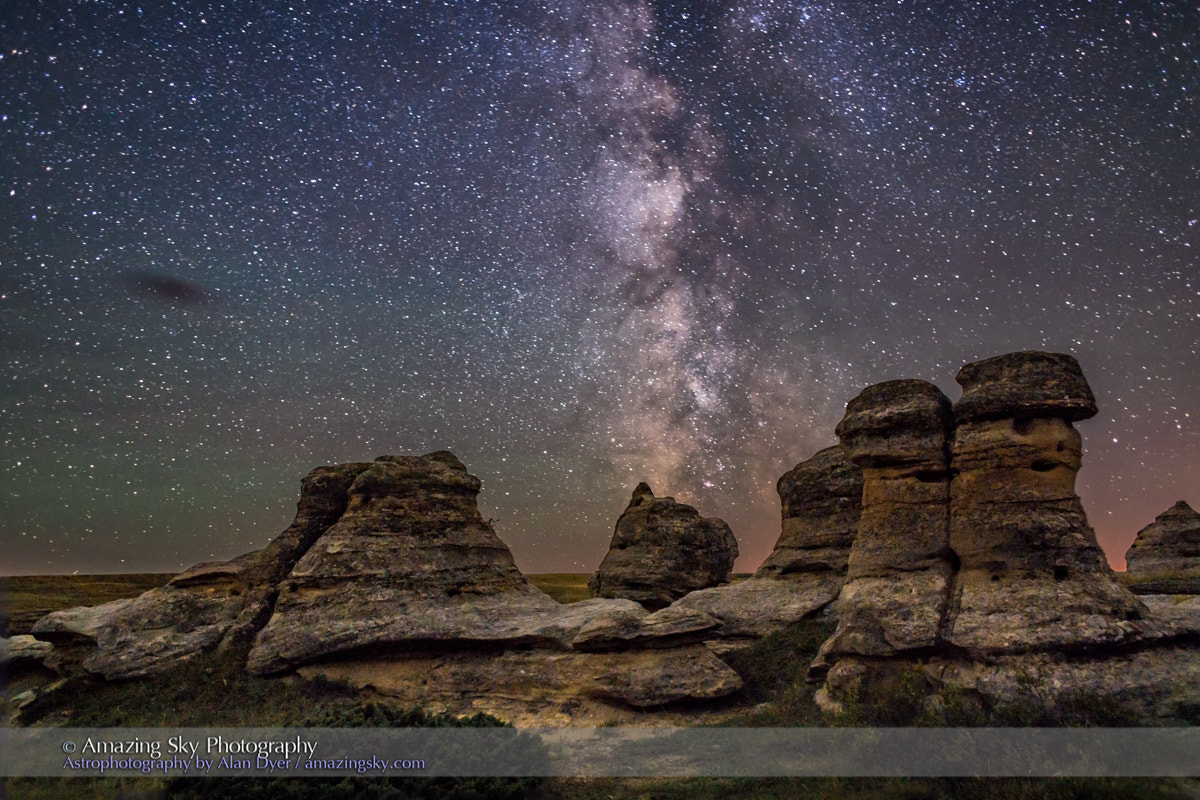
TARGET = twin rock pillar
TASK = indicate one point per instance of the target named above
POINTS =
(972, 538)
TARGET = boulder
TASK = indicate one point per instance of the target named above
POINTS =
(1031, 575)
(24, 651)
(1165, 556)
(897, 588)
(661, 550)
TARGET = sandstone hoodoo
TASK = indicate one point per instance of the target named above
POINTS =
(662, 550)
(410, 558)
(995, 574)
(390, 577)
(896, 595)
(1165, 556)
(821, 500)
(1032, 575)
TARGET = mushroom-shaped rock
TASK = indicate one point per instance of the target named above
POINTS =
(1029, 383)
(1032, 575)
(897, 585)
(661, 550)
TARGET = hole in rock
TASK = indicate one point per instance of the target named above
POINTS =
(930, 476)
(1042, 465)
(1022, 425)
(1061, 573)
(953, 558)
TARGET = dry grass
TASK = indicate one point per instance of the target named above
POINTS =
(565, 587)
(31, 597)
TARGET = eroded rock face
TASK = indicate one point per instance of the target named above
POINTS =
(411, 566)
(1022, 577)
(1032, 576)
(410, 559)
(1165, 556)
(23, 651)
(900, 569)
(386, 560)
(661, 550)
(821, 500)
(539, 687)
(154, 631)
(209, 605)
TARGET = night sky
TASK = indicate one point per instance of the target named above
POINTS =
(580, 244)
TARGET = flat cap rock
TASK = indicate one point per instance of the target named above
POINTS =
(1029, 383)
(896, 422)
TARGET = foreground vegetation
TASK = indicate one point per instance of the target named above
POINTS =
(213, 692)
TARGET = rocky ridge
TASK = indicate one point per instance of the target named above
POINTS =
(389, 565)
(943, 538)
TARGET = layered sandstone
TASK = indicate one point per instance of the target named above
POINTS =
(661, 550)
(207, 606)
(1165, 556)
(900, 567)
(820, 501)
(1032, 576)
(389, 562)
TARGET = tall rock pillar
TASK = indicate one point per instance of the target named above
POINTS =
(1032, 576)
(900, 569)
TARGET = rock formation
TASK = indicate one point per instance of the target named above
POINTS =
(982, 568)
(662, 550)
(821, 500)
(209, 605)
(388, 570)
(897, 589)
(1165, 556)
(1031, 575)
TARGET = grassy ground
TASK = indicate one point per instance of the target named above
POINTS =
(209, 691)
(565, 587)
(31, 597)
